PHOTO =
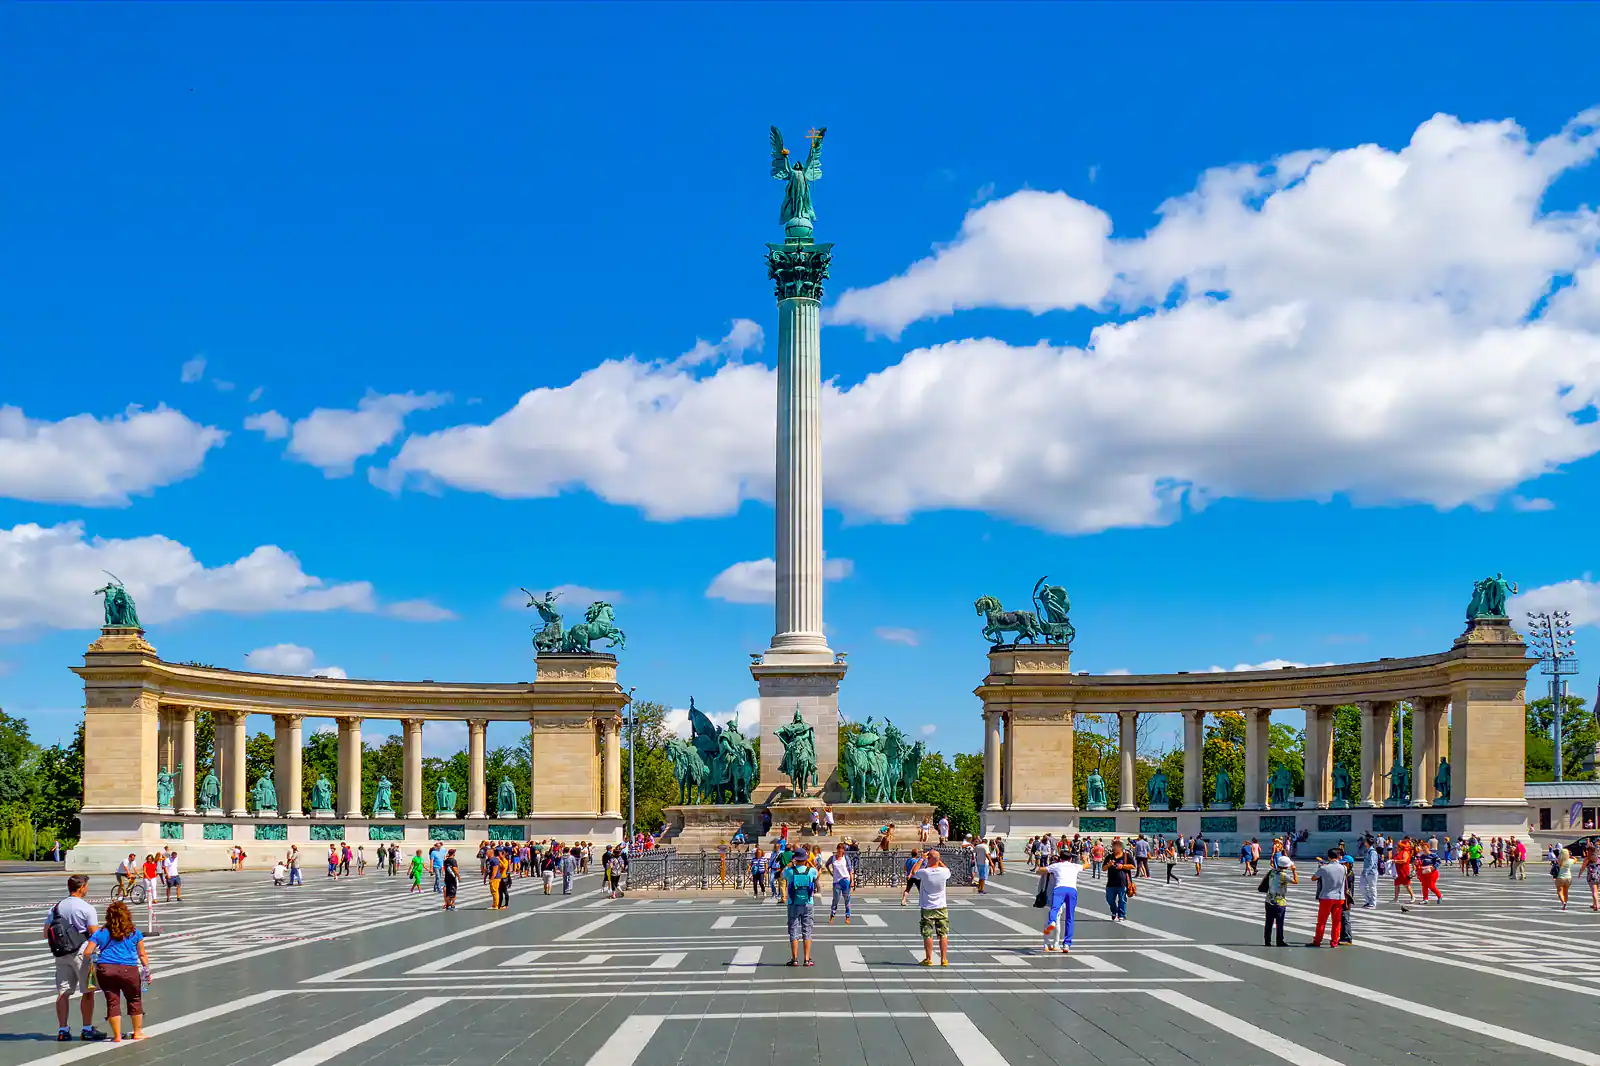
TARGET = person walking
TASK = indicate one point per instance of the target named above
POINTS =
(1197, 852)
(121, 966)
(1561, 872)
(169, 866)
(1371, 865)
(1097, 855)
(1170, 857)
(569, 868)
(436, 867)
(1427, 861)
(1141, 856)
(361, 861)
(491, 873)
(931, 876)
(416, 871)
(1119, 869)
(758, 872)
(1059, 885)
(944, 828)
(547, 868)
(67, 928)
(1519, 861)
(800, 885)
(1330, 898)
(1591, 874)
(839, 866)
(1402, 871)
(980, 859)
(1276, 885)
(291, 863)
(452, 879)
(618, 866)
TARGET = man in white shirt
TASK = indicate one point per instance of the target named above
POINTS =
(174, 884)
(944, 829)
(931, 876)
(1329, 880)
(72, 969)
(980, 863)
(1060, 880)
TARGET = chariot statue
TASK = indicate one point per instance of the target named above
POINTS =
(599, 623)
(548, 638)
(1052, 605)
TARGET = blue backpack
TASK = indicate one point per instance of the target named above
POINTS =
(802, 883)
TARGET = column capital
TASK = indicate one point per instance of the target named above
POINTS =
(413, 723)
(288, 717)
(798, 268)
(477, 725)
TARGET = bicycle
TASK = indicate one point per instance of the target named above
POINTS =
(135, 892)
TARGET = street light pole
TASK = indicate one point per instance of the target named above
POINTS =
(1551, 635)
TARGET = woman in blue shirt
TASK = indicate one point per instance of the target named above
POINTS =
(120, 955)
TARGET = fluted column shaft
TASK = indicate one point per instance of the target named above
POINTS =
(797, 606)
(186, 759)
(1319, 756)
(611, 768)
(1127, 744)
(286, 763)
(1427, 714)
(233, 785)
(1258, 725)
(1194, 748)
(476, 729)
(413, 769)
(349, 798)
(1377, 722)
(991, 760)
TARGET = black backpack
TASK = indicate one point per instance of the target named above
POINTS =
(62, 938)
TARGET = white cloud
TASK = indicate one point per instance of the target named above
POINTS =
(1270, 664)
(743, 336)
(332, 439)
(1119, 670)
(99, 462)
(222, 386)
(756, 581)
(193, 370)
(928, 730)
(292, 659)
(271, 425)
(897, 635)
(1579, 597)
(255, 394)
(746, 712)
(47, 575)
(569, 597)
(1536, 503)
(419, 611)
(1377, 315)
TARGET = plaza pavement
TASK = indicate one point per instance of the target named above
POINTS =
(359, 972)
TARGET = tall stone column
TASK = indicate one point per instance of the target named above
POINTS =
(1377, 722)
(1008, 765)
(349, 799)
(234, 787)
(1258, 725)
(412, 782)
(186, 759)
(1194, 748)
(1427, 716)
(1319, 756)
(166, 738)
(1127, 745)
(286, 750)
(798, 671)
(991, 760)
(611, 768)
(475, 767)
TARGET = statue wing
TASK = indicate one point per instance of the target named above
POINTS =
(780, 168)
(814, 160)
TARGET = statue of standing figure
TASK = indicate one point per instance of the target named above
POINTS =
(505, 805)
(799, 753)
(1489, 598)
(444, 798)
(322, 795)
(265, 794)
(1399, 785)
(119, 608)
(383, 797)
(1223, 790)
(1342, 788)
(1441, 782)
(1156, 791)
(166, 787)
(1094, 789)
(1282, 787)
(210, 793)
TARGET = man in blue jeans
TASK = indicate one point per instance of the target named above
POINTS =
(436, 864)
(1119, 870)
(839, 867)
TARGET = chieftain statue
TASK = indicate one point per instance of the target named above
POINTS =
(866, 766)
(120, 610)
(505, 805)
(444, 798)
(1156, 791)
(322, 794)
(548, 638)
(910, 766)
(797, 216)
(799, 753)
(383, 797)
(264, 794)
(1399, 785)
(166, 786)
(1441, 781)
(1094, 791)
(210, 793)
(1342, 791)
(689, 769)
(1489, 598)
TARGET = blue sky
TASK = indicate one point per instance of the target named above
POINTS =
(1265, 330)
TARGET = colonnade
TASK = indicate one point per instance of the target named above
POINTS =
(177, 753)
(1378, 741)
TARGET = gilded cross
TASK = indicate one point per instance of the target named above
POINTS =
(814, 135)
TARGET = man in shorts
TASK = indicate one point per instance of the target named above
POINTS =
(931, 876)
(800, 887)
(174, 883)
(73, 968)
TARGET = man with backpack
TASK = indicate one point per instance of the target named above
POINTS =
(68, 926)
(800, 886)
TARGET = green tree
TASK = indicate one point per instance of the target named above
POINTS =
(940, 784)
(58, 795)
(320, 758)
(508, 763)
(1579, 734)
(655, 788)
(1347, 743)
(388, 759)
(1224, 750)
(1286, 749)
(454, 770)
(259, 760)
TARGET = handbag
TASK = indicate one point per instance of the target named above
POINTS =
(1039, 901)
(1133, 889)
(1262, 887)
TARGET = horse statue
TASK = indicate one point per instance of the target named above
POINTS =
(688, 768)
(910, 766)
(599, 623)
(706, 740)
(998, 620)
(894, 752)
(1052, 604)
(548, 638)
(736, 765)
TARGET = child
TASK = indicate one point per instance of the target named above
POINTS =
(280, 873)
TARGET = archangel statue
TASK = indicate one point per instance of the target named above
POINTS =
(797, 215)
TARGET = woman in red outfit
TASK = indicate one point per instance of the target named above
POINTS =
(1428, 873)
(1402, 870)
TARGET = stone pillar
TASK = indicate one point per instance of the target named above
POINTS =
(611, 768)
(234, 786)
(1319, 756)
(1257, 725)
(1008, 764)
(286, 763)
(1427, 717)
(1127, 745)
(1194, 747)
(166, 739)
(991, 760)
(186, 759)
(475, 759)
(797, 606)
(1377, 721)
(349, 799)
(412, 782)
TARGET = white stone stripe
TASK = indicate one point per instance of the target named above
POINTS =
(582, 930)
(874, 920)
(1460, 1021)
(526, 958)
(1192, 968)
(332, 1046)
(850, 959)
(449, 960)
(1015, 961)
(624, 1046)
(83, 1051)
(970, 1045)
(725, 922)
(745, 959)
(1009, 923)
(668, 960)
(1096, 962)
(1237, 1028)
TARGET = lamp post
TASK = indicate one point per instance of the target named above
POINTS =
(632, 739)
(1550, 633)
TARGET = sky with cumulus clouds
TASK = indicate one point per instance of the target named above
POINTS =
(1266, 331)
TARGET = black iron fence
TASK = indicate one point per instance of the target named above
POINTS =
(730, 868)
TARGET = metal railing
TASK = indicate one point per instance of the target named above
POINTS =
(673, 872)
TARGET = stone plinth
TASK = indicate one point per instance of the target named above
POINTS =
(814, 689)
(705, 825)
(860, 821)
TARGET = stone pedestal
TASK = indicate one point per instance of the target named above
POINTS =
(383, 814)
(321, 812)
(859, 821)
(445, 814)
(813, 688)
(691, 827)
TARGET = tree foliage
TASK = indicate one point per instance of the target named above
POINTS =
(950, 791)
(1579, 735)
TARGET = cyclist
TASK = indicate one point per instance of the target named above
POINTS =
(127, 873)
